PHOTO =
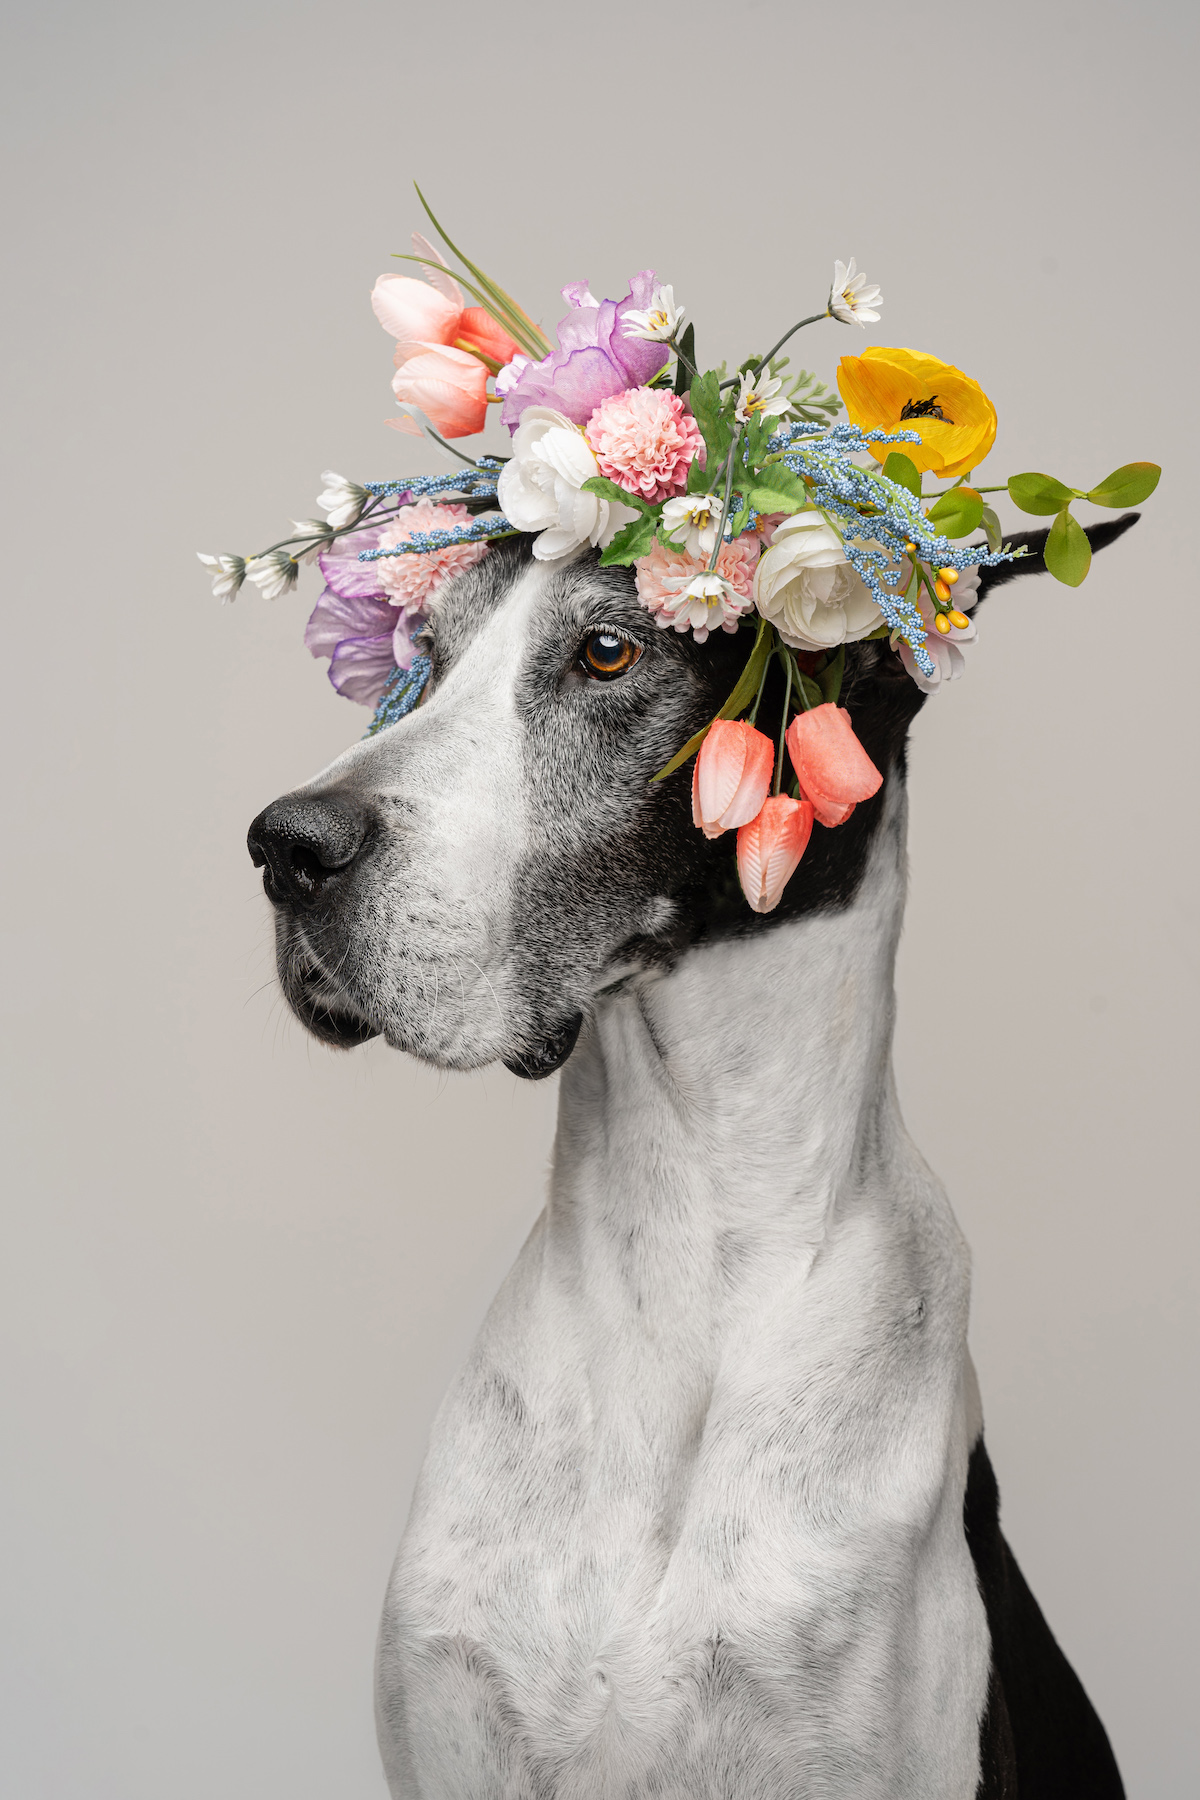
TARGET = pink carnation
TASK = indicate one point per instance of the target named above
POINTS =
(663, 577)
(644, 440)
(408, 581)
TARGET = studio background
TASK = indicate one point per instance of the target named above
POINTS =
(239, 1269)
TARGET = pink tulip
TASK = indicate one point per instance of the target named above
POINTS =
(418, 315)
(415, 314)
(447, 384)
(833, 769)
(769, 849)
(732, 776)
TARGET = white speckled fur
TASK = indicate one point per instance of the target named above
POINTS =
(690, 1524)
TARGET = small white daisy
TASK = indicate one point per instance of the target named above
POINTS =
(660, 321)
(850, 299)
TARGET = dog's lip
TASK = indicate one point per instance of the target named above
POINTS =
(319, 1012)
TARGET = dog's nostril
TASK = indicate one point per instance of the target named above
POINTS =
(304, 842)
(308, 871)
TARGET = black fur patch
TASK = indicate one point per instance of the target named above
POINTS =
(1041, 1738)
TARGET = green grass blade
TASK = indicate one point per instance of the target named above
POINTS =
(499, 297)
(512, 327)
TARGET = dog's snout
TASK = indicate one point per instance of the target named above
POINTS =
(305, 842)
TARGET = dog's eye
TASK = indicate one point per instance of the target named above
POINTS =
(606, 654)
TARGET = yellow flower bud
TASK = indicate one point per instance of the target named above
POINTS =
(940, 589)
(950, 575)
(957, 618)
(911, 548)
(942, 623)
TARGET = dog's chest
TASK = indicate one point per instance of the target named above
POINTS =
(630, 1571)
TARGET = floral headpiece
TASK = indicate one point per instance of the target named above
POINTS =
(740, 501)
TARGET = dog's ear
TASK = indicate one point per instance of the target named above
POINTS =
(1098, 536)
(878, 689)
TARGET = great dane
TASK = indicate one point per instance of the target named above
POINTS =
(708, 1514)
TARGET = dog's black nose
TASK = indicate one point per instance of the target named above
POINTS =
(306, 842)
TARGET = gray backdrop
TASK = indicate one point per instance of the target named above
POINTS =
(240, 1269)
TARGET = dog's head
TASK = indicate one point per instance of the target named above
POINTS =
(467, 881)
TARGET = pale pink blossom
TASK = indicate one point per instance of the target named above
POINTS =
(408, 581)
(423, 314)
(669, 584)
(449, 386)
(644, 440)
(769, 849)
(947, 648)
(766, 526)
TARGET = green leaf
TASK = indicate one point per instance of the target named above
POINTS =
(687, 347)
(610, 490)
(1038, 494)
(756, 436)
(739, 513)
(633, 540)
(776, 489)
(1068, 553)
(738, 701)
(1126, 486)
(697, 478)
(990, 521)
(806, 693)
(903, 471)
(830, 677)
(707, 408)
(958, 513)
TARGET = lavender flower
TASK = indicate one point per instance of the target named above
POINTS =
(363, 631)
(597, 357)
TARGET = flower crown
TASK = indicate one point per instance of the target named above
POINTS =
(740, 501)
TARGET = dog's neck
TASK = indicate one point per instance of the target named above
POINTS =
(710, 1120)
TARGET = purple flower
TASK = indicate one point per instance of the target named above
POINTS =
(595, 359)
(363, 631)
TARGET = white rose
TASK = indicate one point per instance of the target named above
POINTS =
(540, 489)
(804, 585)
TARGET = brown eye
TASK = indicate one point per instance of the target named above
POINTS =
(606, 654)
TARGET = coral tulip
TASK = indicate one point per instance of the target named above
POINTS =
(477, 330)
(769, 849)
(833, 769)
(448, 385)
(732, 776)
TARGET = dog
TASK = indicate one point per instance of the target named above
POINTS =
(708, 1515)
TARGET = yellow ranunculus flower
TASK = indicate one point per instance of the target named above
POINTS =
(904, 390)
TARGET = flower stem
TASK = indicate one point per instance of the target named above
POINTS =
(371, 515)
(1002, 489)
(737, 438)
(762, 682)
(783, 725)
(734, 379)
